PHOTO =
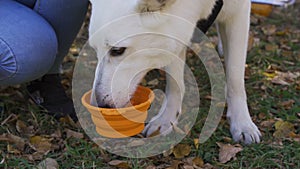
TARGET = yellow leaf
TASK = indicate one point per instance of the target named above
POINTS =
(196, 143)
(181, 150)
(40, 144)
(283, 129)
(270, 76)
(198, 162)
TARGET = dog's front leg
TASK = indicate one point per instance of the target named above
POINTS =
(171, 107)
(234, 34)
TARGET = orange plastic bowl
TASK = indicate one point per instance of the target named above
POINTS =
(121, 122)
(261, 9)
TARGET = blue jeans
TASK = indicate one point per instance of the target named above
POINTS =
(35, 35)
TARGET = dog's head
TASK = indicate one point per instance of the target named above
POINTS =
(130, 39)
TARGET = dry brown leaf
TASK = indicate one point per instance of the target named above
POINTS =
(197, 161)
(287, 104)
(68, 120)
(176, 164)
(187, 167)
(155, 133)
(12, 150)
(268, 123)
(283, 129)
(23, 129)
(136, 143)
(48, 163)
(40, 144)
(228, 151)
(262, 116)
(151, 167)
(177, 129)
(119, 164)
(269, 30)
(271, 47)
(181, 150)
(285, 78)
(208, 166)
(35, 156)
(10, 118)
(71, 133)
(153, 82)
(17, 141)
(250, 41)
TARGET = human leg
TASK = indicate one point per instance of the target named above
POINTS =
(66, 17)
(28, 44)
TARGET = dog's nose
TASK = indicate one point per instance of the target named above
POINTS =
(104, 105)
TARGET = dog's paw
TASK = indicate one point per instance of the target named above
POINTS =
(245, 131)
(158, 126)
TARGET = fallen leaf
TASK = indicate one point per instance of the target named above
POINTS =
(283, 129)
(10, 118)
(136, 143)
(269, 30)
(227, 152)
(270, 75)
(267, 123)
(155, 133)
(187, 167)
(181, 150)
(40, 144)
(151, 167)
(287, 104)
(23, 129)
(71, 133)
(196, 143)
(153, 82)
(48, 163)
(119, 164)
(176, 164)
(262, 116)
(12, 150)
(35, 156)
(68, 120)
(271, 47)
(177, 129)
(285, 78)
(17, 141)
(197, 161)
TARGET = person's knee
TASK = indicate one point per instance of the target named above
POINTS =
(28, 44)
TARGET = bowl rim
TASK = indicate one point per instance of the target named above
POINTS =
(111, 111)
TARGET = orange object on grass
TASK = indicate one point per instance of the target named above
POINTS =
(121, 122)
(261, 9)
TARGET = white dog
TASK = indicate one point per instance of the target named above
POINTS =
(126, 53)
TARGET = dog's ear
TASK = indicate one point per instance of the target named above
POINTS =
(153, 5)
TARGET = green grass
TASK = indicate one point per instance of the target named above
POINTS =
(271, 153)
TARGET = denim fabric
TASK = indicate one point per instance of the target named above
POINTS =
(66, 17)
(35, 35)
(28, 44)
(29, 3)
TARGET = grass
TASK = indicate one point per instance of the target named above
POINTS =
(264, 100)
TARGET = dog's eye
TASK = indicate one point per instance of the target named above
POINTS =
(117, 51)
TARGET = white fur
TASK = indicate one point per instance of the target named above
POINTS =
(117, 76)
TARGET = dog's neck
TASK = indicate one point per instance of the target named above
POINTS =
(192, 10)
